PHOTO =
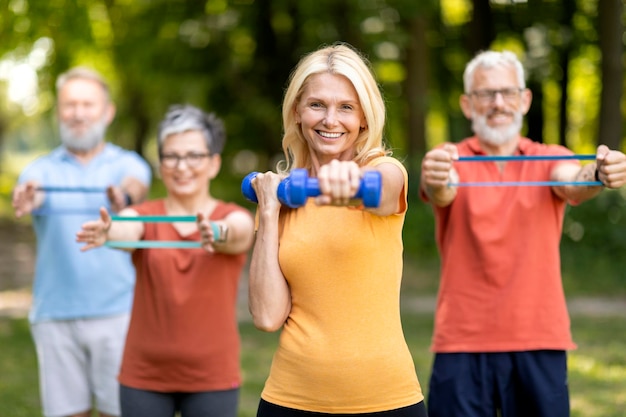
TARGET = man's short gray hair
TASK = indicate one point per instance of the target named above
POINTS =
(83, 73)
(490, 59)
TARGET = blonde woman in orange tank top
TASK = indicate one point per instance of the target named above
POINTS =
(327, 274)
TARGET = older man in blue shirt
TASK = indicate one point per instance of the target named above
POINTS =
(81, 301)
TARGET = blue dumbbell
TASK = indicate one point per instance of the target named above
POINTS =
(246, 187)
(294, 190)
(248, 191)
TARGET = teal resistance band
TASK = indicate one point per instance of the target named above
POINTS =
(154, 219)
(153, 244)
(524, 183)
(477, 158)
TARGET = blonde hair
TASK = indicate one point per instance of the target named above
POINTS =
(338, 59)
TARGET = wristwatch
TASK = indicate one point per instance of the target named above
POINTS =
(223, 235)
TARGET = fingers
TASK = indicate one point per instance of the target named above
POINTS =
(611, 166)
(437, 166)
(116, 197)
(601, 152)
(87, 247)
(452, 150)
(207, 237)
(265, 186)
(105, 217)
(94, 233)
(339, 181)
(23, 199)
(89, 235)
(18, 198)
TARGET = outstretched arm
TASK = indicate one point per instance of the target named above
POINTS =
(339, 181)
(269, 297)
(437, 173)
(609, 168)
(235, 233)
(26, 198)
(130, 191)
(96, 233)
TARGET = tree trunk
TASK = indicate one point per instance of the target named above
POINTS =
(481, 29)
(569, 8)
(417, 63)
(611, 31)
(141, 119)
(535, 118)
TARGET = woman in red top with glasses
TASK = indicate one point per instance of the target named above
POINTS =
(182, 350)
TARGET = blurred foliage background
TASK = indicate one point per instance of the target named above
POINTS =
(233, 57)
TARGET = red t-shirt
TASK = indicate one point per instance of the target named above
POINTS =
(500, 287)
(183, 334)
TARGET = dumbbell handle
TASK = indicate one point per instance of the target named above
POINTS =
(297, 187)
(248, 191)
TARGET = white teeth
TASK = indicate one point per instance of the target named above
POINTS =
(329, 134)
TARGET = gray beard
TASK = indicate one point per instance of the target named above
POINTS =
(85, 142)
(496, 136)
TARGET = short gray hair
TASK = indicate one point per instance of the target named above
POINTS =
(490, 59)
(182, 118)
(83, 73)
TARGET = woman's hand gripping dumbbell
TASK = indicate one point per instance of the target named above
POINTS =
(294, 190)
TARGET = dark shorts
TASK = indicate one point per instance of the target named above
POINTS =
(142, 403)
(517, 384)
(272, 410)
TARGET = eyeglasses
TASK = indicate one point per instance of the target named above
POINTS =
(488, 96)
(193, 160)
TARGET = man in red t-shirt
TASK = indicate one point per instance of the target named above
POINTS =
(502, 327)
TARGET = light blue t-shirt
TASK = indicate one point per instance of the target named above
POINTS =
(68, 283)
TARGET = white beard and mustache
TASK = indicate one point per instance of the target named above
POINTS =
(496, 136)
(92, 137)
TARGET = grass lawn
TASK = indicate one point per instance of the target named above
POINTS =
(597, 368)
(19, 395)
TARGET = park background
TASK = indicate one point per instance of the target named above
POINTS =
(233, 57)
